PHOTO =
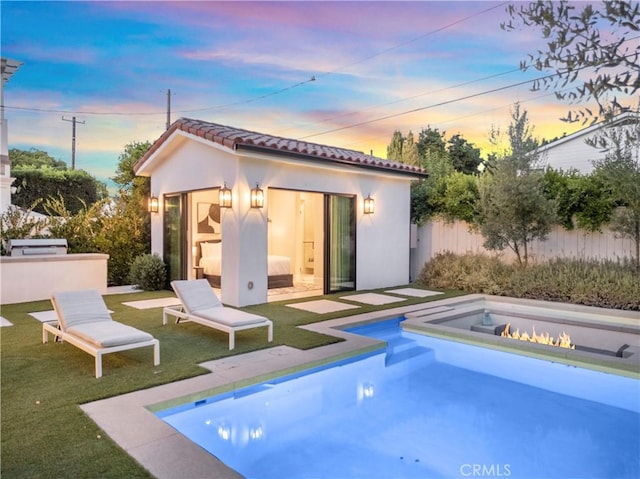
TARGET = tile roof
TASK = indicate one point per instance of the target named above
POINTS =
(237, 138)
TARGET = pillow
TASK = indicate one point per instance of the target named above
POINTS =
(211, 249)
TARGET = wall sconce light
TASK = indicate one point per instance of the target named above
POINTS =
(369, 205)
(225, 196)
(257, 197)
(154, 204)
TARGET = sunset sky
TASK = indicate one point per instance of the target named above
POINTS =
(377, 67)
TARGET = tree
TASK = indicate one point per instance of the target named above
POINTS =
(464, 157)
(410, 151)
(118, 227)
(602, 40)
(427, 195)
(403, 150)
(40, 176)
(77, 187)
(394, 149)
(128, 221)
(33, 158)
(125, 177)
(134, 190)
(620, 171)
(460, 198)
(431, 143)
(513, 207)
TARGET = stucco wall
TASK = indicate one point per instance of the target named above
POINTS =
(382, 239)
(31, 278)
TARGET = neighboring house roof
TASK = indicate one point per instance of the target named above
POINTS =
(239, 139)
(620, 120)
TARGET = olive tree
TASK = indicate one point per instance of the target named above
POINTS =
(594, 45)
(513, 208)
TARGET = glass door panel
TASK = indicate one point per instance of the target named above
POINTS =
(174, 237)
(340, 243)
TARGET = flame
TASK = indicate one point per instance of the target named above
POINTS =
(563, 341)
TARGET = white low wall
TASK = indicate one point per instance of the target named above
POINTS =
(33, 278)
(439, 237)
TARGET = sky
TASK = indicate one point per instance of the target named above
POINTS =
(345, 74)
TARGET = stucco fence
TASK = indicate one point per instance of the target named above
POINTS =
(33, 278)
(436, 237)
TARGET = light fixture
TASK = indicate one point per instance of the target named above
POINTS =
(154, 204)
(369, 205)
(225, 196)
(257, 197)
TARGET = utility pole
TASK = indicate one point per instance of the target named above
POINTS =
(73, 139)
(168, 108)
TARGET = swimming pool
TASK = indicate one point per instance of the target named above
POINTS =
(425, 407)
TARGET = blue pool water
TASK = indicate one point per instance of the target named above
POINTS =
(425, 408)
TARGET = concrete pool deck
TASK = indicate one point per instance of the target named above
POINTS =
(129, 419)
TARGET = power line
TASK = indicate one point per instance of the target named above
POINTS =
(313, 78)
(451, 87)
(471, 115)
(413, 97)
(442, 103)
(266, 95)
(407, 42)
(251, 100)
(446, 102)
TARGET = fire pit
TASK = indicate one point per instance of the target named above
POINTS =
(595, 338)
(563, 341)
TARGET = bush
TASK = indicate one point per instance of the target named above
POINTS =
(17, 223)
(77, 187)
(606, 284)
(148, 272)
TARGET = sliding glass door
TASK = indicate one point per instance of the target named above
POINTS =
(340, 230)
(175, 229)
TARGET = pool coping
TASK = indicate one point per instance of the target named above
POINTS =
(129, 419)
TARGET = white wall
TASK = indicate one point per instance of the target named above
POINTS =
(438, 237)
(382, 238)
(31, 278)
(574, 153)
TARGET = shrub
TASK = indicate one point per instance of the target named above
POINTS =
(148, 272)
(606, 284)
(77, 187)
(17, 223)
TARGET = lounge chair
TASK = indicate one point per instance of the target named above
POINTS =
(201, 305)
(85, 322)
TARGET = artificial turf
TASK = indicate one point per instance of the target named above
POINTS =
(45, 434)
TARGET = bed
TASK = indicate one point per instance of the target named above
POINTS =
(210, 260)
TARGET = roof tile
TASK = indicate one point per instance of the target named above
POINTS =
(236, 137)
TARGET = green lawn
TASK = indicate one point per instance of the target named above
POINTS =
(44, 431)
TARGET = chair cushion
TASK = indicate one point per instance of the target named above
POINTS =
(229, 316)
(195, 295)
(78, 307)
(107, 334)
